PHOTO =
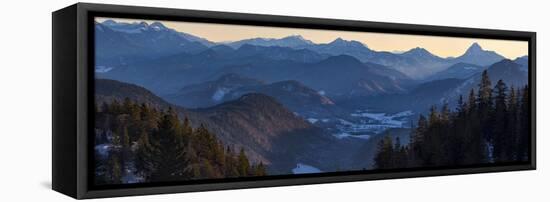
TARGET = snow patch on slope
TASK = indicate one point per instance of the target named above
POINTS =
(347, 135)
(219, 94)
(102, 69)
(303, 169)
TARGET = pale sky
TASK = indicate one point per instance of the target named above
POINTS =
(441, 46)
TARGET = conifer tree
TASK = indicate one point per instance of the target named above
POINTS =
(125, 138)
(231, 167)
(146, 164)
(167, 148)
(384, 158)
(171, 157)
(524, 135)
(513, 126)
(243, 164)
(115, 169)
(260, 170)
(485, 106)
(501, 142)
(472, 105)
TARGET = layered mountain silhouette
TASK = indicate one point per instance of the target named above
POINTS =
(445, 90)
(292, 94)
(123, 43)
(505, 70)
(256, 122)
(288, 101)
(211, 93)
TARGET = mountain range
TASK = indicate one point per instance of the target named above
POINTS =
(126, 43)
(288, 101)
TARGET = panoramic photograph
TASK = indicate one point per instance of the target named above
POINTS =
(184, 101)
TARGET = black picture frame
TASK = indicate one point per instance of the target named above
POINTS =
(73, 88)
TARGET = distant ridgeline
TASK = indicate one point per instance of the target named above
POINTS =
(490, 127)
(138, 143)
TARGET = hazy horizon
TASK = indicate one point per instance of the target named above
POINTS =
(438, 45)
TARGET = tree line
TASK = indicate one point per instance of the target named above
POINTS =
(153, 145)
(491, 126)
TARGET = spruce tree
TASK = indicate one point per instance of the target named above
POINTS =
(115, 169)
(524, 135)
(384, 158)
(513, 126)
(501, 141)
(231, 167)
(485, 106)
(260, 170)
(243, 164)
(146, 162)
(172, 158)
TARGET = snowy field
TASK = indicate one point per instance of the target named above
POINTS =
(362, 124)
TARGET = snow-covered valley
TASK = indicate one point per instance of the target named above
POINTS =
(363, 124)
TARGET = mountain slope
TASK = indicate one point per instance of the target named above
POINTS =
(506, 70)
(346, 76)
(293, 95)
(107, 90)
(211, 92)
(264, 128)
(418, 99)
(458, 71)
(524, 62)
(277, 53)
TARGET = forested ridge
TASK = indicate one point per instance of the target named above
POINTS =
(139, 143)
(490, 126)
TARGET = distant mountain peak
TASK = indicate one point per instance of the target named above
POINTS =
(158, 26)
(417, 50)
(338, 40)
(475, 47)
(342, 42)
(297, 39)
(288, 41)
(296, 36)
(109, 22)
(475, 54)
(143, 23)
(135, 26)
